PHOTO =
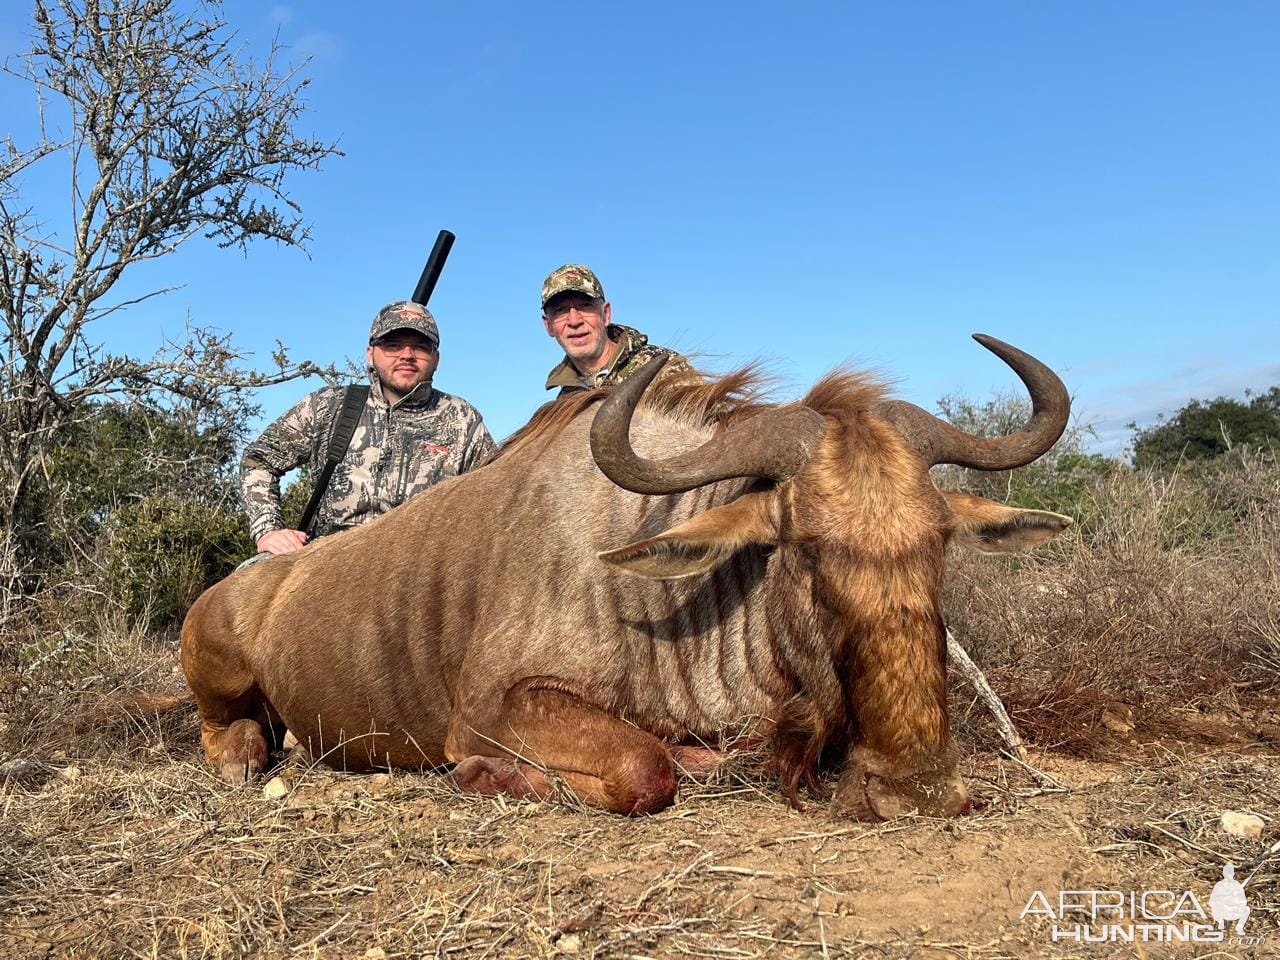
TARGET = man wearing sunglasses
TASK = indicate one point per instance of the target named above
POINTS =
(597, 352)
(408, 437)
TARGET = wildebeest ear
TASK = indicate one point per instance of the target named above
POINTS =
(700, 543)
(992, 527)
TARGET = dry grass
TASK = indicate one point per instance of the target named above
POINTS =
(140, 852)
(1168, 593)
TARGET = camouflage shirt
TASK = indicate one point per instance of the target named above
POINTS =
(634, 351)
(397, 451)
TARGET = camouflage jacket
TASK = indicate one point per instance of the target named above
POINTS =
(397, 451)
(635, 350)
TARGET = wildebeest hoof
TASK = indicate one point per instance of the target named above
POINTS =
(851, 801)
(244, 752)
(872, 797)
(698, 763)
(490, 776)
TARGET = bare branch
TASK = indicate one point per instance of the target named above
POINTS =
(175, 132)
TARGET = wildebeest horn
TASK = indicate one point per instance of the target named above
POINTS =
(775, 443)
(939, 442)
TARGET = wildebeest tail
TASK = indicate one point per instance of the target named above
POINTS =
(117, 707)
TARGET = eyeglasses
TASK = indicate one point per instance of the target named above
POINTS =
(560, 308)
(396, 347)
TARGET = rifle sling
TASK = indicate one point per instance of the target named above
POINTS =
(344, 428)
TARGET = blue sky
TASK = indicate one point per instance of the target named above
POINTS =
(1094, 182)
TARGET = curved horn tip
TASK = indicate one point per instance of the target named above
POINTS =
(988, 341)
(657, 362)
(647, 373)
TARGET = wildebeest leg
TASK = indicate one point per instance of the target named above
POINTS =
(233, 742)
(603, 760)
(227, 696)
(700, 762)
(490, 775)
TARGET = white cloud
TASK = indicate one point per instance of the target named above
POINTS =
(1142, 402)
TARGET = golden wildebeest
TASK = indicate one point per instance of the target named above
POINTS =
(579, 609)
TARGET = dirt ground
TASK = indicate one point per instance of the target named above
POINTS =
(138, 851)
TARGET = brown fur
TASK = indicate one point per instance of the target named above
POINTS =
(540, 627)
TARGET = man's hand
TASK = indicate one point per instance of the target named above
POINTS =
(282, 541)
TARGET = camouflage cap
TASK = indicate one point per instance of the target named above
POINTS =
(404, 315)
(572, 276)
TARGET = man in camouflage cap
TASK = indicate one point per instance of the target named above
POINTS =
(597, 351)
(409, 436)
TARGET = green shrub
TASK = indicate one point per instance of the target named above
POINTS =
(139, 505)
(1208, 429)
(160, 552)
(294, 498)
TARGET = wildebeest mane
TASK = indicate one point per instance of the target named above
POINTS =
(714, 402)
(548, 421)
(844, 391)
